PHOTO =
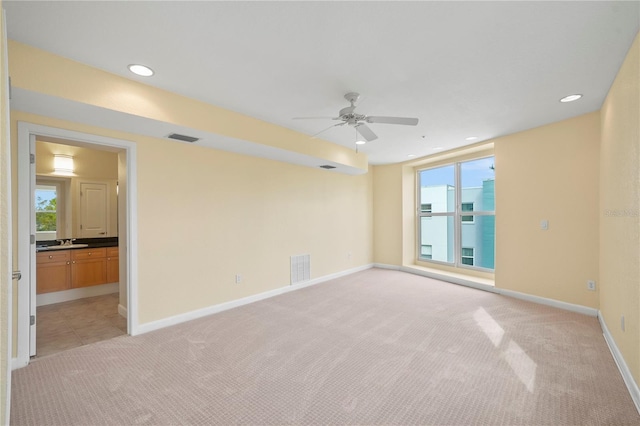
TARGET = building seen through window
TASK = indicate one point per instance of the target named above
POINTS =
(457, 214)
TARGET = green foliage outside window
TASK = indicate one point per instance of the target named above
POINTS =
(46, 215)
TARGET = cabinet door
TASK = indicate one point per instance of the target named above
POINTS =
(113, 269)
(53, 276)
(53, 271)
(88, 272)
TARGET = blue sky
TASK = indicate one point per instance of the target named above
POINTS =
(45, 194)
(472, 174)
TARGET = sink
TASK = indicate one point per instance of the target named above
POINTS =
(64, 247)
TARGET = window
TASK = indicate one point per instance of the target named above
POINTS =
(467, 256)
(426, 251)
(49, 205)
(467, 207)
(456, 218)
(46, 206)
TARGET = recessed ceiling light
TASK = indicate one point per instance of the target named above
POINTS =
(411, 155)
(471, 138)
(571, 98)
(141, 70)
(437, 148)
(361, 142)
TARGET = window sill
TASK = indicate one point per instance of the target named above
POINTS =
(486, 284)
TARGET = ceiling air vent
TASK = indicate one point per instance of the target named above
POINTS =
(184, 138)
(327, 166)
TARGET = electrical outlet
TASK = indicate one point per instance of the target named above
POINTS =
(622, 322)
(591, 285)
(349, 255)
(238, 278)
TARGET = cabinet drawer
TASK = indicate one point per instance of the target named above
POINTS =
(53, 256)
(113, 251)
(93, 253)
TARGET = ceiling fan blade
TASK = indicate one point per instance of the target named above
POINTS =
(315, 118)
(366, 132)
(330, 127)
(393, 120)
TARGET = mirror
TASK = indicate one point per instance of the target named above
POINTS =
(79, 200)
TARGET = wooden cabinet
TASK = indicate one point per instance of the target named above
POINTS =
(113, 264)
(76, 268)
(88, 267)
(53, 272)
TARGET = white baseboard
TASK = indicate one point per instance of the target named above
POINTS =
(17, 363)
(592, 312)
(122, 311)
(470, 282)
(76, 293)
(386, 266)
(632, 386)
(199, 313)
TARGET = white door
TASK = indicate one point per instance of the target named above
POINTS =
(93, 210)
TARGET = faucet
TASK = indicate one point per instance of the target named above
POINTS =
(61, 242)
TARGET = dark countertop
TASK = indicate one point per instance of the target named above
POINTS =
(91, 243)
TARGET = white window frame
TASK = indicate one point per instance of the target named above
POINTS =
(456, 214)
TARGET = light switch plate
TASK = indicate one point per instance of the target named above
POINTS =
(544, 225)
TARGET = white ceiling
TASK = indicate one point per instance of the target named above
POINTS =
(481, 69)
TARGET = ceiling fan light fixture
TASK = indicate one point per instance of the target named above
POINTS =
(141, 70)
(361, 142)
(571, 98)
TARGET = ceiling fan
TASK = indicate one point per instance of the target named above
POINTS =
(348, 116)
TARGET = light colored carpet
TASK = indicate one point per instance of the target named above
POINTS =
(376, 347)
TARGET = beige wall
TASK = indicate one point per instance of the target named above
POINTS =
(549, 173)
(387, 208)
(223, 214)
(207, 215)
(620, 210)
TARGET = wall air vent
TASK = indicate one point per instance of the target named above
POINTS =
(183, 138)
(327, 166)
(300, 268)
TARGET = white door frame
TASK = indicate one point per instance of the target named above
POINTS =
(26, 250)
(6, 222)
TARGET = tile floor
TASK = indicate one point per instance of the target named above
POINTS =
(67, 325)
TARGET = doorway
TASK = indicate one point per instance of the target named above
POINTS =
(78, 299)
(126, 226)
